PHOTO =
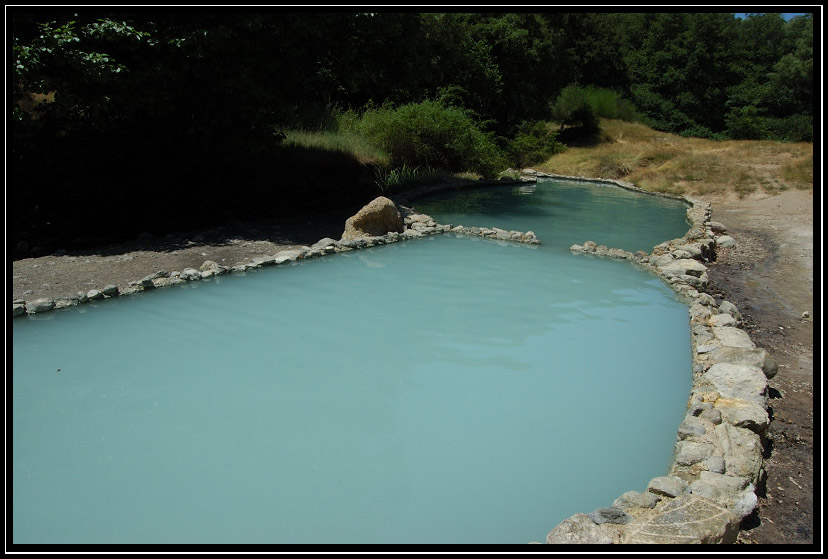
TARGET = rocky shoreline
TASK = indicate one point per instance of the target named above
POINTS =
(717, 464)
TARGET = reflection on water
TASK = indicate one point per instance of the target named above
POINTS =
(443, 390)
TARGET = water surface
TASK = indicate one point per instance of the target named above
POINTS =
(441, 390)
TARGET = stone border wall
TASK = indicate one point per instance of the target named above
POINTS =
(717, 460)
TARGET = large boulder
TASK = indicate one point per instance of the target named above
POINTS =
(378, 217)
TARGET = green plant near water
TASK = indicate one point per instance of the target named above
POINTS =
(430, 134)
(405, 177)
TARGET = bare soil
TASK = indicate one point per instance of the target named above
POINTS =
(768, 275)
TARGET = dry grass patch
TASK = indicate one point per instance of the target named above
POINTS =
(664, 162)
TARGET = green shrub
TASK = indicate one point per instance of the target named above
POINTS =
(745, 123)
(795, 128)
(533, 144)
(431, 134)
(585, 106)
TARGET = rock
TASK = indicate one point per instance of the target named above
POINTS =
(692, 426)
(18, 309)
(735, 493)
(636, 499)
(741, 450)
(94, 294)
(731, 309)
(692, 452)
(733, 337)
(715, 464)
(669, 486)
(210, 266)
(610, 515)
(325, 245)
(717, 227)
(726, 241)
(286, 256)
(683, 267)
(44, 304)
(722, 319)
(189, 274)
(741, 382)
(699, 312)
(687, 519)
(578, 529)
(259, 261)
(376, 218)
(743, 414)
(756, 357)
(712, 415)
(110, 291)
(706, 299)
(146, 281)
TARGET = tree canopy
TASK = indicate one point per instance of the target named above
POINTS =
(110, 103)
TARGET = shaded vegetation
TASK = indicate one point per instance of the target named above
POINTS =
(133, 120)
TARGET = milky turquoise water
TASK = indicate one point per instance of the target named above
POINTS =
(440, 390)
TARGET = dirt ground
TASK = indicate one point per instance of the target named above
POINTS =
(768, 275)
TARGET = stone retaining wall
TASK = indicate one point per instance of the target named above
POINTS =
(717, 462)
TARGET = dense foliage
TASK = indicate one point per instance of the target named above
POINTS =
(179, 115)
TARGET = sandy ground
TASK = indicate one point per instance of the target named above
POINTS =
(768, 276)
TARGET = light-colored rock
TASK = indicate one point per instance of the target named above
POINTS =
(756, 357)
(715, 464)
(735, 493)
(742, 451)
(94, 295)
(376, 218)
(722, 319)
(578, 529)
(733, 337)
(110, 291)
(682, 267)
(726, 241)
(741, 382)
(636, 499)
(740, 413)
(692, 452)
(692, 426)
(687, 519)
(210, 266)
(44, 304)
(668, 486)
(731, 309)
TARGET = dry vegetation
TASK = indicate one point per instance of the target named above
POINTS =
(664, 162)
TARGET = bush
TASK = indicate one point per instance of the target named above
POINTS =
(572, 108)
(795, 128)
(533, 144)
(431, 134)
(585, 106)
(744, 123)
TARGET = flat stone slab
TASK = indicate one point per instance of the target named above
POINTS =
(578, 529)
(733, 337)
(738, 382)
(687, 519)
